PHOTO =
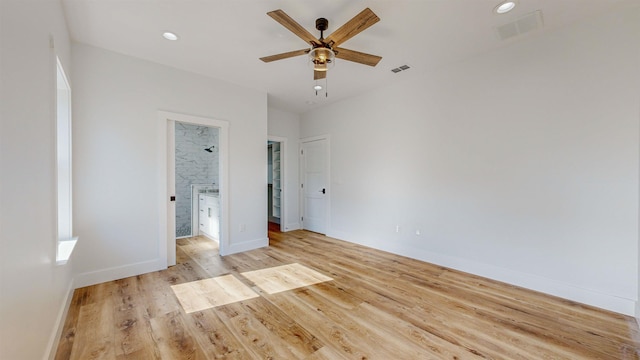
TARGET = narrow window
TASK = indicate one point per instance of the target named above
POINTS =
(66, 241)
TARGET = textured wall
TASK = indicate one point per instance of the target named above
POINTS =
(194, 165)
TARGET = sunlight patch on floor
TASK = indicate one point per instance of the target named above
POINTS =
(208, 293)
(286, 277)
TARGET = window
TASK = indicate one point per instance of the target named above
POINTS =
(66, 241)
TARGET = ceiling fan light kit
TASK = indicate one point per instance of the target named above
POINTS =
(322, 59)
(323, 52)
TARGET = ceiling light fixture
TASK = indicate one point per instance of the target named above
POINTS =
(504, 7)
(322, 58)
(170, 36)
(321, 55)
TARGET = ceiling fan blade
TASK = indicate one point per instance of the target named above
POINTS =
(284, 55)
(318, 75)
(286, 21)
(357, 56)
(352, 27)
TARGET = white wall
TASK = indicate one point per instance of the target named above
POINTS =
(520, 164)
(33, 290)
(116, 135)
(287, 125)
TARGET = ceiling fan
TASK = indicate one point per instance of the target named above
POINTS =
(323, 52)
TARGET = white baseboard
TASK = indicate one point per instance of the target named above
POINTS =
(52, 345)
(246, 246)
(525, 280)
(119, 272)
(209, 237)
(292, 226)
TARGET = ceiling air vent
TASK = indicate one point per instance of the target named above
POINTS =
(525, 24)
(400, 68)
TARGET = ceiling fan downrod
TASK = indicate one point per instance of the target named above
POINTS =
(322, 24)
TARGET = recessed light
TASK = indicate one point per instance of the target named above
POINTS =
(169, 35)
(505, 7)
(317, 87)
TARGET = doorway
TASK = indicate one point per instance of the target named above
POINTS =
(276, 189)
(196, 171)
(314, 187)
(168, 190)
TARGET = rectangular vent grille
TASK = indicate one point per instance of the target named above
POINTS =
(400, 68)
(523, 25)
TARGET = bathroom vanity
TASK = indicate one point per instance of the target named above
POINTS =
(209, 215)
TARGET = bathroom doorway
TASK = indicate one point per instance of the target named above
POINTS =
(170, 191)
(197, 171)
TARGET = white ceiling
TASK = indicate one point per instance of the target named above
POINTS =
(223, 39)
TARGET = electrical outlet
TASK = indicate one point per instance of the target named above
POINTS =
(418, 232)
(397, 228)
(243, 227)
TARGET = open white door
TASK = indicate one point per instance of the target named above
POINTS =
(315, 170)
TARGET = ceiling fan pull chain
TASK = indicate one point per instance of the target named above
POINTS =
(326, 87)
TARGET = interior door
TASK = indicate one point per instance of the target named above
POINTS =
(314, 185)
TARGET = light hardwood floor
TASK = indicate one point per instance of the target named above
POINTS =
(378, 306)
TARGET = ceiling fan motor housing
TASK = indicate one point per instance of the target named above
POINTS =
(322, 24)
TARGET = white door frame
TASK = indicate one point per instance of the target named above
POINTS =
(284, 184)
(167, 177)
(327, 203)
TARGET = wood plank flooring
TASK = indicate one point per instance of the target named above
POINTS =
(378, 306)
